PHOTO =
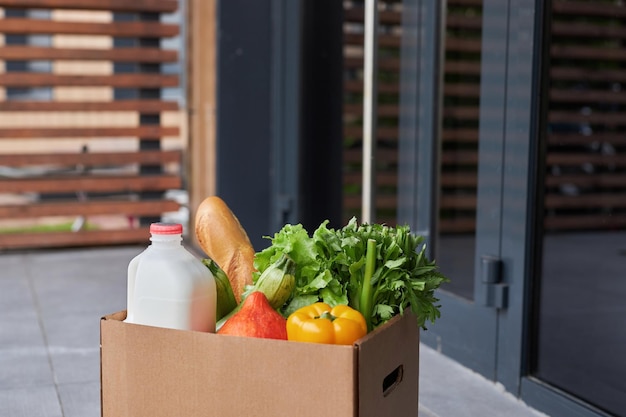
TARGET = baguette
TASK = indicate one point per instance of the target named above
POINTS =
(226, 242)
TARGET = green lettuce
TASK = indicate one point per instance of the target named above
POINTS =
(377, 269)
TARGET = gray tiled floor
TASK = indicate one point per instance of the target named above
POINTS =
(50, 306)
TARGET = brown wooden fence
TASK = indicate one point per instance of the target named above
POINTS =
(83, 133)
(585, 179)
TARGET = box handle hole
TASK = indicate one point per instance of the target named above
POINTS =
(392, 380)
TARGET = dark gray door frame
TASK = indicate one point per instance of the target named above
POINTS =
(279, 117)
(515, 43)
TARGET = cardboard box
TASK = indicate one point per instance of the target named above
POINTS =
(150, 371)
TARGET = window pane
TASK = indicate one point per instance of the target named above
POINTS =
(459, 148)
(581, 334)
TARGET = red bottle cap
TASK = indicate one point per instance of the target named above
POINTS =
(166, 228)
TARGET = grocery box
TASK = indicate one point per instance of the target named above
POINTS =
(150, 371)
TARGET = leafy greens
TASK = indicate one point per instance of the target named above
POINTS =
(377, 269)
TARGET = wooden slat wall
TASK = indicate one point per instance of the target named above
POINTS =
(585, 181)
(81, 153)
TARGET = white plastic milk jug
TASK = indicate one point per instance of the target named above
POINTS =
(168, 286)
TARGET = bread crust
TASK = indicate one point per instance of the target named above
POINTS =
(224, 240)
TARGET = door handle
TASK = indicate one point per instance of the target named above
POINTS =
(495, 292)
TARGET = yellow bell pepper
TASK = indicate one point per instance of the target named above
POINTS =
(319, 323)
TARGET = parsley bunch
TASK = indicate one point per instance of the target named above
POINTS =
(377, 269)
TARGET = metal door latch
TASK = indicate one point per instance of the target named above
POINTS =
(495, 292)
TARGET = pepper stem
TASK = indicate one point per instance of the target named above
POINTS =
(326, 315)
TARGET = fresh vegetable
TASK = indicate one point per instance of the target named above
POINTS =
(277, 282)
(225, 300)
(319, 323)
(256, 318)
(377, 269)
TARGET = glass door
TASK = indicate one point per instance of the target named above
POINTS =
(450, 181)
(471, 162)
(512, 164)
(578, 334)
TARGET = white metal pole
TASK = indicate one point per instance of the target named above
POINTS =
(370, 98)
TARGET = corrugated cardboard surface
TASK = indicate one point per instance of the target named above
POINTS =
(149, 371)
(388, 368)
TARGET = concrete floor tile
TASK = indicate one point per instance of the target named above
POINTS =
(74, 346)
(81, 281)
(425, 412)
(20, 329)
(23, 367)
(72, 330)
(15, 293)
(446, 388)
(80, 400)
(75, 365)
(24, 358)
(41, 401)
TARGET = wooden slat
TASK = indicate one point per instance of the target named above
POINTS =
(568, 139)
(464, 45)
(384, 133)
(557, 158)
(68, 239)
(355, 156)
(459, 157)
(588, 222)
(465, 3)
(355, 86)
(586, 30)
(465, 135)
(385, 17)
(465, 90)
(462, 67)
(384, 40)
(458, 179)
(461, 112)
(121, 29)
(384, 63)
(146, 131)
(26, 53)
(135, 80)
(588, 181)
(454, 21)
(576, 118)
(585, 53)
(382, 179)
(587, 96)
(450, 89)
(142, 106)
(88, 208)
(395, 41)
(594, 200)
(91, 158)
(155, 6)
(571, 222)
(385, 201)
(458, 202)
(383, 110)
(457, 225)
(586, 74)
(587, 8)
(92, 183)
